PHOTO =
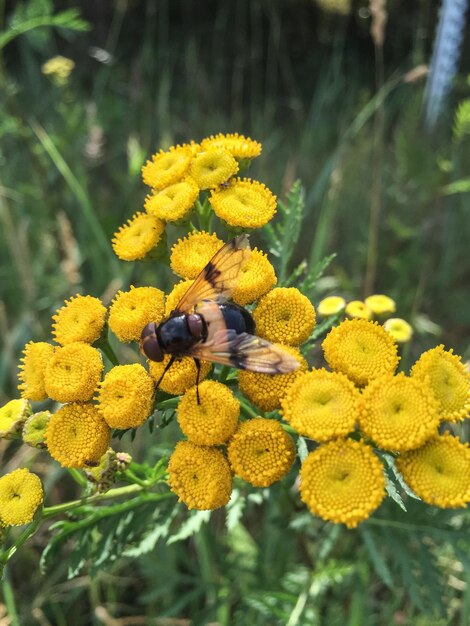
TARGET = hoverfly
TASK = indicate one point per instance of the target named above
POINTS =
(206, 326)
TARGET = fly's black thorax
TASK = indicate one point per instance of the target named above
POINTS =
(177, 334)
(237, 318)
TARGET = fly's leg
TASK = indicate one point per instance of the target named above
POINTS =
(198, 367)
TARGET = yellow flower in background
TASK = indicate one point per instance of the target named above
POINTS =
(181, 375)
(360, 349)
(190, 255)
(380, 304)
(212, 168)
(214, 420)
(331, 306)
(266, 390)
(284, 315)
(244, 203)
(135, 239)
(342, 481)
(439, 471)
(449, 380)
(73, 373)
(58, 69)
(359, 309)
(175, 295)
(261, 452)
(34, 429)
(132, 310)
(239, 146)
(173, 203)
(80, 319)
(21, 495)
(32, 367)
(167, 167)
(257, 277)
(77, 435)
(398, 412)
(200, 476)
(12, 416)
(125, 396)
(400, 330)
(321, 405)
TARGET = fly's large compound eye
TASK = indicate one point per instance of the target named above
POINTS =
(149, 345)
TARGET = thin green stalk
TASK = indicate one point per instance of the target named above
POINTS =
(104, 345)
(246, 408)
(78, 477)
(9, 599)
(25, 535)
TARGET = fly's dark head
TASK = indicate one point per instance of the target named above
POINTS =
(149, 344)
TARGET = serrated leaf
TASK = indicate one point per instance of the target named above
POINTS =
(393, 493)
(191, 526)
(390, 461)
(378, 561)
(302, 449)
(235, 509)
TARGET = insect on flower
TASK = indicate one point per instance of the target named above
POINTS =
(206, 326)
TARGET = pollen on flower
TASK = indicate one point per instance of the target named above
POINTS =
(77, 435)
(380, 304)
(135, 239)
(34, 429)
(239, 146)
(168, 167)
(32, 367)
(132, 310)
(214, 419)
(125, 396)
(284, 315)
(190, 255)
(244, 203)
(176, 294)
(360, 349)
(261, 452)
(181, 375)
(21, 494)
(173, 203)
(257, 277)
(449, 380)
(321, 405)
(200, 476)
(357, 308)
(12, 416)
(342, 481)
(331, 306)
(439, 471)
(73, 373)
(80, 319)
(400, 330)
(213, 167)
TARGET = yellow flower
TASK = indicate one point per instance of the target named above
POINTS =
(80, 319)
(21, 495)
(400, 330)
(168, 167)
(190, 255)
(175, 295)
(173, 203)
(125, 396)
(200, 476)
(356, 308)
(261, 452)
(284, 315)
(398, 413)
(449, 380)
(32, 367)
(135, 239)
(58, 69)
(266, 390)
(257, 277)
(132, 310)
(244, 203)
(331, 306)
(77, 435)
(380, 304)
(360, 349)
(439, 471)
(212, 168)
(239, 146)
(214, 420)
(342, 481)
(13, 416)
(34, 429)
(73, 373)
(321, 405)
(181, 375)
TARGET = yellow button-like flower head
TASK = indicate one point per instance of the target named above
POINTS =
(176, 294)
(77, 435)
(239, 146)
(13, 416)
(34, 429)
(21, 495)
(132, 310)
(173, 203)
(73, 373)
(125, 397)
(212, 168)
(257, 277)
(449, 380)
(261, 452)
(80, 319)
(190, 255)
(359, 309)
(32, 367)
(360, 349)
(331, 306)
(380, 304)
(168, 167)
(284, 315)
(200, 476)
(181, 375)
(58, 69)
(135, 239)
(342, 481)
(321, 405)
(244, 203)
(439, 471)
(400, 330)
(214, 420)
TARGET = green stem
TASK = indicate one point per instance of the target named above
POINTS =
(25, 535)
(9, 599)
(138, 481)
(104, 345)
(247, 409)
(78, 477)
